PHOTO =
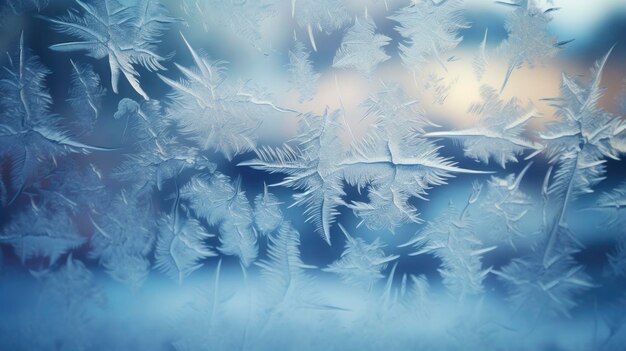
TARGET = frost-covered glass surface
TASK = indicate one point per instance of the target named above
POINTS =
(312, 175)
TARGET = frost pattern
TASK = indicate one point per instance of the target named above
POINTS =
(554, 286)
(214, 112)
(50, 235)
(127, 35)
(85, 96)
(284, 271)
(499, 132)
(361, 48)
(242, 18)
(507, 206)
(323, 15)
(452, 238)
(204, 155)
(123, 238)
(480, 60)
(20, 6)
(267, 214)
(582, 137)
(221, 202)
(314, 167)
(395, 161)
(613, 202)
(361, 263)
(30, 133)
(431, 29)
(529, 41)
(179, 247)
(303, 77)
(68, 295)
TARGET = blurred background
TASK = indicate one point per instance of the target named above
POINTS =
(260, 55)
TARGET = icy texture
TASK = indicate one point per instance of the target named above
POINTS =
(303, 76)
(431, 29)
(126, 35)
(361, 48)
(349, 179)
(498, 134)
